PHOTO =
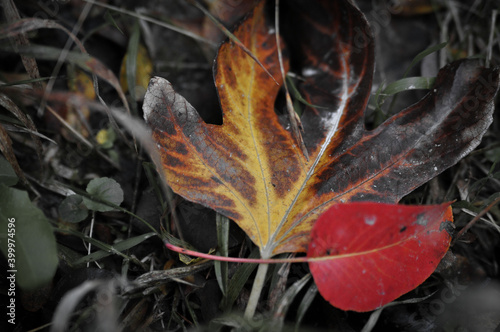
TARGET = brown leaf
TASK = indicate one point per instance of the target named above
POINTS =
(250, 167)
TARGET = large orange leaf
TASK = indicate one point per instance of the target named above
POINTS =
(252, 170)
(368, 254)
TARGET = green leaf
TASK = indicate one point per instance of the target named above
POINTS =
(103, 189)
(29, 233)
(409, 83)
(7, 175)
(72, 209)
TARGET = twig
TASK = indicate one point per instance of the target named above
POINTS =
(476, 218)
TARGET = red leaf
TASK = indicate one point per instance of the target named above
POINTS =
(369, 254)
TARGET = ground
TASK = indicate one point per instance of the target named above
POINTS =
(149, 288)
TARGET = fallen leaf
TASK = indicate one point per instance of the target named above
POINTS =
(250, 168)
(72, 209)
(369, 254)
(104, 189)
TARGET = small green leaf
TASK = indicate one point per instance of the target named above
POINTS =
(7, 175)
(72, 209)
(28, 234)
(103, 189)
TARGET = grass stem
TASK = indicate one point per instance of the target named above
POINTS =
(258, 285)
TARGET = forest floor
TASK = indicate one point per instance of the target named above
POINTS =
(108, 268)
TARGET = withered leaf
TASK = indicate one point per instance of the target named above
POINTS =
(250, 168)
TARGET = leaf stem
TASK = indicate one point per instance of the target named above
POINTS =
(258, 285)
(180, 250)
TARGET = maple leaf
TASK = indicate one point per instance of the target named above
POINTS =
(250, 168)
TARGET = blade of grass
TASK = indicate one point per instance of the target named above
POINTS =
(40, 79)
(423, 54)
(120, 246)
(131, 64)
(370, 324)
(416, 60)
(305, 304)
(22, 26)
(409, 83)
(238, 281)
(296, 93)
(221, 268)
(101, 245)
(285, 302)
(490, 38)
